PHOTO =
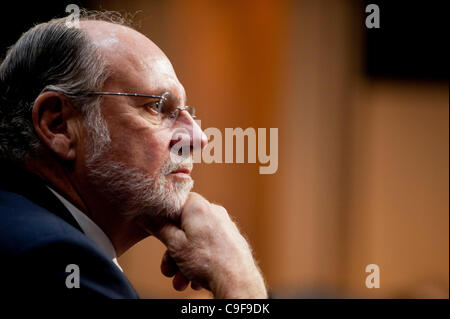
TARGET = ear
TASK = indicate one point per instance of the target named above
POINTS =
(54, 122)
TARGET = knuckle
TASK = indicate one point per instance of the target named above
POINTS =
(196, 196)
(197, 204)
(220, 210)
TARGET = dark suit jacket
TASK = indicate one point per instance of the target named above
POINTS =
(39, 238)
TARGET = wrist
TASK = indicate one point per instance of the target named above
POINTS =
(249, 286)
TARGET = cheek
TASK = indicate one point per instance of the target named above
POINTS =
(153, 150)
(141, 145)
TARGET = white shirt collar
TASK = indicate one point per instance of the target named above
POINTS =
(90, 229)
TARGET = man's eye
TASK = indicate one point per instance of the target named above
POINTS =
(154, 108)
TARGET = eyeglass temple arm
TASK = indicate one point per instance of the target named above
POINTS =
(128, 94)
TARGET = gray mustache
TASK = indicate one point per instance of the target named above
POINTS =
(170, 166)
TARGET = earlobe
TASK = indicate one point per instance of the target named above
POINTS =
(59, 145)
(51, 115)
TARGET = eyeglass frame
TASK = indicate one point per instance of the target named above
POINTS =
(160, 97)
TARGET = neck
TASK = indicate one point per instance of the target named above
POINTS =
(122, 232)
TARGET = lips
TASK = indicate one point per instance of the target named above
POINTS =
(183, 170)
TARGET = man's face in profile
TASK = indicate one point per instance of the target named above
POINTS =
(135, 169)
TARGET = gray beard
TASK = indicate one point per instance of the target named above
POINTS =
(135, 193)
(132, 191)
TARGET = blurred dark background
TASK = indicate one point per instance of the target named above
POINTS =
(411, 41)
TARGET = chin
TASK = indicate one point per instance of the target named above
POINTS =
(165, 200)
(176, 196)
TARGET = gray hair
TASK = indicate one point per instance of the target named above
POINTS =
(50, 56)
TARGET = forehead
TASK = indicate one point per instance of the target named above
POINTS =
(136, 63)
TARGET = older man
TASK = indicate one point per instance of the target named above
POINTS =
(93, 139)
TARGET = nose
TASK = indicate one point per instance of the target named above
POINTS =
(188, 133)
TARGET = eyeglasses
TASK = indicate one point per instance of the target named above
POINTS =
(160, 111)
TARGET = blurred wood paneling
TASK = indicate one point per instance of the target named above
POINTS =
(399, 209)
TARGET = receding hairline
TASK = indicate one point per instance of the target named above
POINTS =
(87, 25)
(110, 36)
